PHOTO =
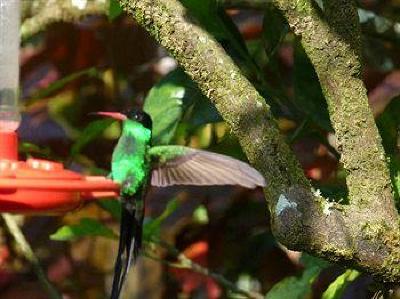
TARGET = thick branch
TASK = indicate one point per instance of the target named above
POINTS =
(219, 78)
(302, 220)
(333, 47)
(334, 50)
(49, 12)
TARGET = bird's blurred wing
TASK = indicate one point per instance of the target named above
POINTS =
(180, 165)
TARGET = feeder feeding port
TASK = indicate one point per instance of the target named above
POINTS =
(33, 186)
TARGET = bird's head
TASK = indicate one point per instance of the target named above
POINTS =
(140, 116)
(130, 115)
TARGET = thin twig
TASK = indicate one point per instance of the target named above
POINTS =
(183, 262)
(28, 253)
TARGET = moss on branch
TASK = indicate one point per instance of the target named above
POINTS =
(219, 78)
(334, 49)
(302, 220)
(44, 13)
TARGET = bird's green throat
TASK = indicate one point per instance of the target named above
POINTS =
(130, 165)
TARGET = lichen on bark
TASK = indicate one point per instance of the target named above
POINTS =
(302, 221)
(38, 14)
(218, 77)
(334, 49)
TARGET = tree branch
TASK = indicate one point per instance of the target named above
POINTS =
(30, 256)
(45, 12)
(183, 262)
(333, 46)
(334, 50)
(301, 219)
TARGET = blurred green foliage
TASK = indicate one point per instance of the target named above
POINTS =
(337, 288)
(174, 98)
(86, 227)
(115, 10)
(298, 287)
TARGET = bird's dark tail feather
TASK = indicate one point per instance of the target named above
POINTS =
(130, 240)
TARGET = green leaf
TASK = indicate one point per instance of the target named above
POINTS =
(388, 124)
(291, 288)
(201, 112)
(312, 263)
(114, 10)
(214, 19)
(30, 148)
(86, 227)
(209, 15)
(168, 101)
(59, 84)
(151, 229)
(200, 215)
(336, 288)
(308, 94)
(298, 287)
(275, 29)
(165, 103)
(91, 132)
(112, 206)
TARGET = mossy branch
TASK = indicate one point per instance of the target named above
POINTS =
(301, 219)
(334, 49)
(30, 256)
(44, 13)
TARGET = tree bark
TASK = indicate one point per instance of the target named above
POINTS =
(38, 14)
(364, 234)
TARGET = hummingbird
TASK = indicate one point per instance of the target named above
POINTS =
(136, 165)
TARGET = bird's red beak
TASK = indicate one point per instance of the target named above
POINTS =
(115, 115)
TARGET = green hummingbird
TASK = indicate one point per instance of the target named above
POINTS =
(136, 164)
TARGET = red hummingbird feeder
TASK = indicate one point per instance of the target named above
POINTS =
(33, 186)
(41, 186)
